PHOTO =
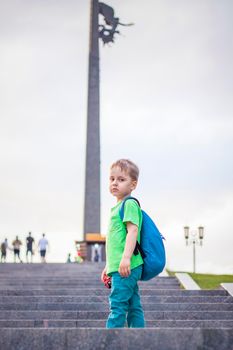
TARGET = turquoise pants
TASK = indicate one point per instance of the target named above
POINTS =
(125, 301)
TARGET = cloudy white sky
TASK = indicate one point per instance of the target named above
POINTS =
(166, 103)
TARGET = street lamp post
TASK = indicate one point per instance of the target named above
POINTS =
(194, 238)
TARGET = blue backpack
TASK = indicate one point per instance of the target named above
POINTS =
(151, 245)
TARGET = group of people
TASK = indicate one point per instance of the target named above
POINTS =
(42, 246)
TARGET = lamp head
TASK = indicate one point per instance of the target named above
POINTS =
(201, 233)
(186, 233)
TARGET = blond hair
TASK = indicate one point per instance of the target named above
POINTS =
(127, 166)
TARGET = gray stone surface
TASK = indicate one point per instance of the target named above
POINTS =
(104, 292)
(104, 298)
(103, 306)
(33, 316)
(78, 281)
(187, 281)
(86, 339)
(228, 287)
(80, 284)
(82, 288)
(96, 315)
(102, 323)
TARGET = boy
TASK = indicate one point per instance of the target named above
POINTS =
(122, 265)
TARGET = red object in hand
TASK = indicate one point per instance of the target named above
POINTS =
(107, 281)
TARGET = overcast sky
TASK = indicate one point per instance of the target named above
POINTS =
(166, 103)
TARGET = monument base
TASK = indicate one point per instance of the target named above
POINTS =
(92, 248)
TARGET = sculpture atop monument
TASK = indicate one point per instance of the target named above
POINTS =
(107, 31)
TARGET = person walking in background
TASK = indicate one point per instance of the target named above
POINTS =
(96, 256)
(42, 246)
(69, 259)
(29, 242)
(4, 247)
(16, 247)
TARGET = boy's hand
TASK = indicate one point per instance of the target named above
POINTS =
(131, 238)
(103, 274)
(124, 268)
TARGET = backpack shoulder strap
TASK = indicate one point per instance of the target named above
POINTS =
(122, 208)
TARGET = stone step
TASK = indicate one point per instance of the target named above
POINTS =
(54, 270)
(79, 280)
(103, 306)
(87, 282)
(105, 292)
(76, 278)
(102, 323)
(94, 299)
(53, 273)
(18, 270)
(115, 339)
(81, 286)
(98, 315)
(53, 266)
(47, 273)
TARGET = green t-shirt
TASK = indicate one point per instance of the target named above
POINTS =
(116, 235)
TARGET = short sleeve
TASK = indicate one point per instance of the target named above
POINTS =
(132, 212)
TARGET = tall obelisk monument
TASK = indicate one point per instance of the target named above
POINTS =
(92, 182)
(105, 32)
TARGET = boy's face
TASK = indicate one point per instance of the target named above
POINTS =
(120, 183)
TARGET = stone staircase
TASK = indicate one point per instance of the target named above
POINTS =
(65, 306)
